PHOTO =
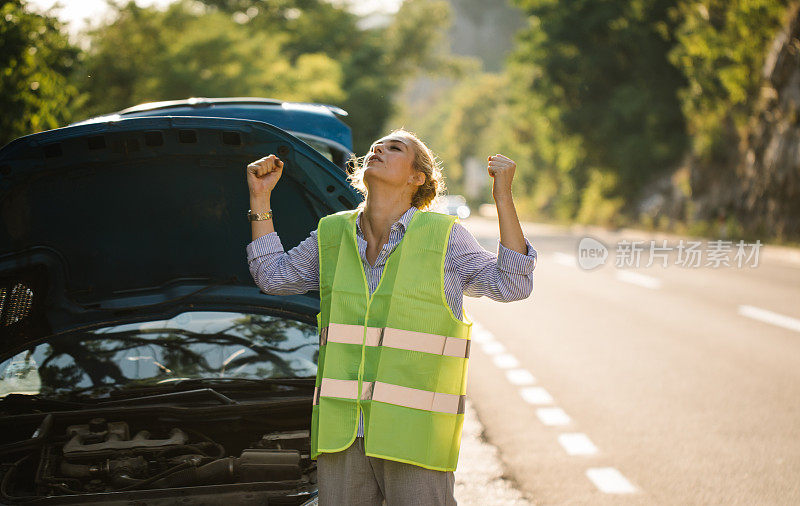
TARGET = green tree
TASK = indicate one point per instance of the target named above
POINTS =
(36, 58)
(148, 55)
(603, 68)
(375, 62)
(721, 45)
(304, 50)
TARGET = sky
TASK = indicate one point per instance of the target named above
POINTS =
(77, 13)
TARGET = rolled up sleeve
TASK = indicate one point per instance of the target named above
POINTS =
(515, 262)
(277, 272)
(504, 277)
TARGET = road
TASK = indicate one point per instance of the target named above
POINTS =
(648, 385)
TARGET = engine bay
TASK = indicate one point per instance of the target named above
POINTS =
(155, 459)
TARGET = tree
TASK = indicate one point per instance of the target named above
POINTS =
(148, 55)
(35, 61)
(720, 48)
(603, 68)
(303, 50)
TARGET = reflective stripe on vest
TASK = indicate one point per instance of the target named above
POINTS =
(391, 394)
(395, 338)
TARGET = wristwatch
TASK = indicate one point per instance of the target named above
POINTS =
(259, 216)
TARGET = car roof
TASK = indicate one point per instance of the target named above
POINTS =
(318, 121)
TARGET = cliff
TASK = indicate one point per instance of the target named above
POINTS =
(756, 193)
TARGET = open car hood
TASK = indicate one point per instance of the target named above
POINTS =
(129, 219)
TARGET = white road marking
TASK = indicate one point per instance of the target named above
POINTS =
(493, 348)
(638, 279)
(553, 416)
(564, 259)
(506, 361)
(536, 395)
(520, 377)
(577, 443)
(763, 315)
(609, 480)
(480, 335)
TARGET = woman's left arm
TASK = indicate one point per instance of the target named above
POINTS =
(502, 169)
(506, 276)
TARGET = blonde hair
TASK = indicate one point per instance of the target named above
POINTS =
(425, 161)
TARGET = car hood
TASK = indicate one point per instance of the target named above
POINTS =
(137, 218)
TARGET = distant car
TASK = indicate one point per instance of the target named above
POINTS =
(455, 205)
(318, 125)
(139, 362)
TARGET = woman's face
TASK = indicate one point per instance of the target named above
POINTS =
(390, 161)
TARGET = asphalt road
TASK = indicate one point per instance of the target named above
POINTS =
(649, 385)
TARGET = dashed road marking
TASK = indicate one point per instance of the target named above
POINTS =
(480, 337)
(493, 348)
(536, 395)
(577, 443)
(763, 315)
(480, 334)
(553, 416)
(506, 361)
(609, 480)
(638, 279)
(520, 377)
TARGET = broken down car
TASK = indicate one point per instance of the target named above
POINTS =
(139, 363)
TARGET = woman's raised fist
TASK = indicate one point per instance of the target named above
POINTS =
(263, 175)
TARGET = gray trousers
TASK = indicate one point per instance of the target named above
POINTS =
(350, 477)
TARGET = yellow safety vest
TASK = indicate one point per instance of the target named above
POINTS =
(399, 356)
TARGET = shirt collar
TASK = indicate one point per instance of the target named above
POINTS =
(401, 223)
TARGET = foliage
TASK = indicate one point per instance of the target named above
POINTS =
(148, 55)
(303, 50)
(721, 45)
(600, 70)
(600, 99)
(35, 58)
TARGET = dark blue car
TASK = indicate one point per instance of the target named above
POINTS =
(139, 363)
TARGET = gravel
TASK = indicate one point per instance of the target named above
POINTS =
(479, 475)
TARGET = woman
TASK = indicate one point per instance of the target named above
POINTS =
(394, 344)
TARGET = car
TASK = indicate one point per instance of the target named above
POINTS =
(139, 362)
(455, 205)
(318, 125)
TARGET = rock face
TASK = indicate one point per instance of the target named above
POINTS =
(764, 196)
(769, 172)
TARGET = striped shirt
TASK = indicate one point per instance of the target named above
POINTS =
(468, 268)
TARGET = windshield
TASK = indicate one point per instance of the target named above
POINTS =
(193, 344)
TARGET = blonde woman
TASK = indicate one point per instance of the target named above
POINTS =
(394, 343)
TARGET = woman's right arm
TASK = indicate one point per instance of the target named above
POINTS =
(262, 176)
(275, 271)
(279, 273)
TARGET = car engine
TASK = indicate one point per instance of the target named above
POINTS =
(110, 458)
